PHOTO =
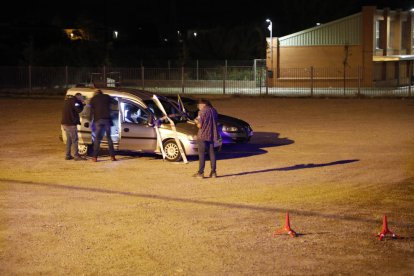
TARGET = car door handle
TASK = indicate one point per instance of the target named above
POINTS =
(126, 129)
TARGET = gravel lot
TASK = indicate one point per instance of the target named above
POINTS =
(337, 165)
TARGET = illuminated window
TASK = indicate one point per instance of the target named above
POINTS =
(134, 114)
(378, 34)
(76, 34)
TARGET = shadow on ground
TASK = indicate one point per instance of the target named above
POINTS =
(123, 155)
(295, 167)
(192, 201)
(258, 144)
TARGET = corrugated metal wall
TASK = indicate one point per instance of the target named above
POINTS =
(346, 30)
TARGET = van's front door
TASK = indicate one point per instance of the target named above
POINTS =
(136, 134)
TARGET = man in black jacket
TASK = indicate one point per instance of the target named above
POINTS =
(101, 111)
(70, 119)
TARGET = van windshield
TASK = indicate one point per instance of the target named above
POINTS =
(171, 110)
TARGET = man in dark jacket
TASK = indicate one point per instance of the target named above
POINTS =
(101, 112)
(206, 137)
(70, 119)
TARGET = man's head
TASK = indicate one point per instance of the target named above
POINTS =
(79, 96)
(98, 91)
(202, 103)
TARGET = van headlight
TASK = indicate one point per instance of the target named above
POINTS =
(229, 128)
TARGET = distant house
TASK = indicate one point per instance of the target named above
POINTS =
(373, 47)
(76, 34)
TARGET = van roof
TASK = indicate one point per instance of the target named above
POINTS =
(89, 92)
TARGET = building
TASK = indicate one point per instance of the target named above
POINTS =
(76, 34)
(371, 48)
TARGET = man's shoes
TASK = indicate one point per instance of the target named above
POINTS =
(94, 159)
(68, 157)
(113, 158)
(213, 175)
(80, 158)
(198, 175)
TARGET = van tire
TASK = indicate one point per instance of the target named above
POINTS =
(172, 152)
(84, 149)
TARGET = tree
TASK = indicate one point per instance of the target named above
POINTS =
(241, 42)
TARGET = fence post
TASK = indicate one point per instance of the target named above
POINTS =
(182, 79)
(359, 80)
(104, 76)
(398, 74)
(30, 80)
(410, 73)
(197, 69)
(66, 77)
(344, 79)
(169, 70)
(260, 82)
(311, 79)
(142, 77)
(267, 81)
(224, 76)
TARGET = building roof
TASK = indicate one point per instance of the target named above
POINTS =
(344, 31)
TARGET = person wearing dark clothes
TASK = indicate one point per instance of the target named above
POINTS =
(206, 137)
(72, 106)
(101, 112)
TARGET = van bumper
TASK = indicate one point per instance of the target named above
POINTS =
(190, 147)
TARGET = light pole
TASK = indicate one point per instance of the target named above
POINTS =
(270, 28)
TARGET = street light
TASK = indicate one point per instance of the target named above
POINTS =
(270, 28)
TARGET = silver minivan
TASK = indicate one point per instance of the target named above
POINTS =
(134, 114)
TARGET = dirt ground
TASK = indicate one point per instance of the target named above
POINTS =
(337, 165)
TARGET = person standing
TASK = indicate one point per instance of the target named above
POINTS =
(72, 106)
(206, 137)
(101, 112)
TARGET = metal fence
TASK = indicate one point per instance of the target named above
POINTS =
(225, 79)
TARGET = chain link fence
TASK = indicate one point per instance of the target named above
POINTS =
(199, 78)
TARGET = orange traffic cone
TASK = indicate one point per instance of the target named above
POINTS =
(286, 228)
(385, 230)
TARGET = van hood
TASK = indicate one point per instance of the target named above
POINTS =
(228, 120)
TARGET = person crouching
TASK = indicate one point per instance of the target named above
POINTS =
(72, 106)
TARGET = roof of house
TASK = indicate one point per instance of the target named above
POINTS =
(344, 31)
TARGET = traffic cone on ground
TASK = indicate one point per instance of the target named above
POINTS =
(385, 230)
(286, 228)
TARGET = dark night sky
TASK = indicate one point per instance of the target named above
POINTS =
(288, 15)
(148, 23)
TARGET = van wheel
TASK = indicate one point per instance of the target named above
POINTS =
(172, 152)
(84, 149)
